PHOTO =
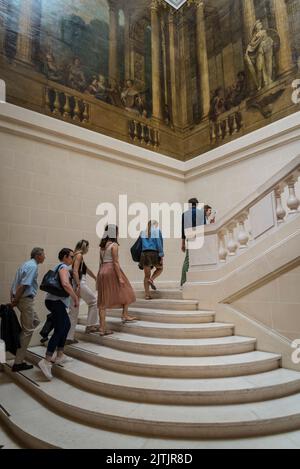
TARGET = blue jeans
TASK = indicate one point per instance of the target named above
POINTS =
(61, 323)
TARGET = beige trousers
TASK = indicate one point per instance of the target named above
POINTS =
(29, 322)
(89, 297)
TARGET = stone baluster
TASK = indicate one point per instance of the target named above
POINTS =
(232, 244)
(280, 212)
(213, 132)
(130, 129)
(222, 246)
(47, 99)
(76, 116)
(156, 138)
(85, 114)
(243, 237)
(293, 202)
(148, 140)
(234, 124)
(135, 131)
(56, 104)
(241, 120)
(227, 129)
(142, 133)
(67, 108)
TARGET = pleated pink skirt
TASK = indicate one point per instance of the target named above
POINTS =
(110, 293)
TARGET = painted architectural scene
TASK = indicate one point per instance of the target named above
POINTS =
(180, 80)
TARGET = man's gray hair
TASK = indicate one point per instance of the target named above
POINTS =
(37, 252)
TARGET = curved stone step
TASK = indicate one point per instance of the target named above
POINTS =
(229, 421)
(253, 388)
(175, 305)
(7, 438)
(171, 331)
(166, 294)
(165, 316)
(37, 427)
(171, 347)
(35, 422)
(174, 367)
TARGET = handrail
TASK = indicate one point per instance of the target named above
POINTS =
(233, 233)
(276, 180)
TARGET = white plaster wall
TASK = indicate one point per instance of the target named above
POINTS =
(276, 304)
(227, 175)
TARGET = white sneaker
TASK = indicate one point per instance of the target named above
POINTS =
(63, 359)
(46, 369)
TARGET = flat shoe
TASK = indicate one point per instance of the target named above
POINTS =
(91, 329)
(102, 334)
(129, 320)
(152, 285)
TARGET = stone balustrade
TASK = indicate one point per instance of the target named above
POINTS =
(68, 106)
(268, 208)
(226, 125)
(141, 132)
(238, 234)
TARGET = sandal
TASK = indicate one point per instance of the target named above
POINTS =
(91, 329)
(148, 297)
(102, 334)
(129, 319)
(151, 283)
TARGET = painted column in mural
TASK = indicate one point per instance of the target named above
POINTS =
(202, 58)
(3, 12)
(24, 42)
(249, 19)
(186, 116)
(173, 67)
(282, 25)
(156, 71)
(127, 43)
(113, 40)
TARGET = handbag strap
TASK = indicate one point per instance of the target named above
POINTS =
(58, 267)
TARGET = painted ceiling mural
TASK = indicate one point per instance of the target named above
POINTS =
(176, 76)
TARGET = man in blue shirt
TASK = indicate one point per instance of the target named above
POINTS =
(23, 292)
(190, 219)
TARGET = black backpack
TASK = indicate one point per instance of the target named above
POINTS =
(136, 250)
(51, 284)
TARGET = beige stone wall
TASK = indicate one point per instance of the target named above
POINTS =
(53, 175)
(276, 304)
(48, 198)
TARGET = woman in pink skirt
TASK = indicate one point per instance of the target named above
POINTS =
(114, 289)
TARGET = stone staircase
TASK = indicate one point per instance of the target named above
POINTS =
(174, 379)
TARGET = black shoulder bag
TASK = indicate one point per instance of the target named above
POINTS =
(51, 284)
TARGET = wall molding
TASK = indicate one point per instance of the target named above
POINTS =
(19, 121)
